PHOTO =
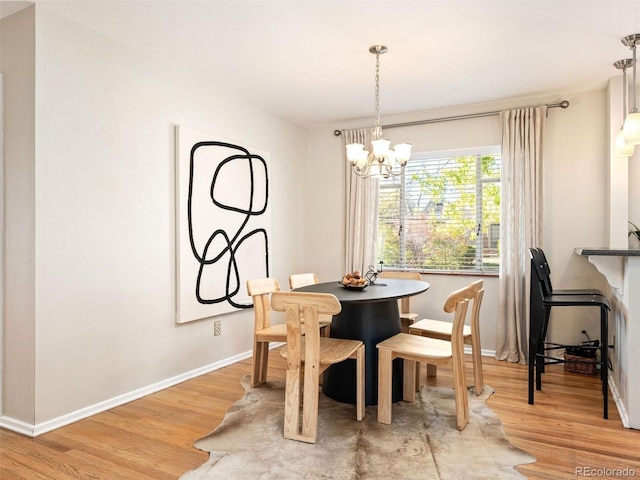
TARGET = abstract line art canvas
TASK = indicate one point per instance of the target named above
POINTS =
(223, 223)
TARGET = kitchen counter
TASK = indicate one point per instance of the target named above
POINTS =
(608, 252)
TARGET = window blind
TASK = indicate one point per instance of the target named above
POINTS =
(443, 213)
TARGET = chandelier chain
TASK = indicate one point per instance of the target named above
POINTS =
(624, 94)
(635, 105)
(377, 131)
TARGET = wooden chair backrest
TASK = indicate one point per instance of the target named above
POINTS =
(261, 290)
(405, 303)
(478, 294)
(400, 275)
(308, 306)
(324, 303)
(298, 280)
(457, 303)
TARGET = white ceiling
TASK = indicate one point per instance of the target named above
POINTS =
(308, 61)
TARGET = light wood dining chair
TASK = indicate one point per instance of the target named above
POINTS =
(297, 280)
(414, 349)
(470, 333)
(263, 332)
(407, 317)
(310, 355)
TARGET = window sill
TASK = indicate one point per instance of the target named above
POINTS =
(449, 272)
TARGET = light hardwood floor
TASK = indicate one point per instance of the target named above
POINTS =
(152, 438)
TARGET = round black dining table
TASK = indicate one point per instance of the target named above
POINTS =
(370, 315)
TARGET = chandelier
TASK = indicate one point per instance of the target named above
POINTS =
(381, 161)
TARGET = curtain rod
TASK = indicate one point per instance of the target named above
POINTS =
(563, 104)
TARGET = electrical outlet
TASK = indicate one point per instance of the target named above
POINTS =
(217, 327)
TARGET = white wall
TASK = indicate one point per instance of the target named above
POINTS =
(105, 212)
(575, 196)
(576, 199)
(17, 62)
(634, 183)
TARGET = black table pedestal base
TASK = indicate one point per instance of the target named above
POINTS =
(371, 323)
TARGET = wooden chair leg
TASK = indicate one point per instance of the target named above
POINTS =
(385, 373)
(360, 387)
(325, 330)
(404, 325)
(432, 370)
(408, 380)
(461, 396)
(310, 408)
(259, 363)
(478, 377)
(292, 404)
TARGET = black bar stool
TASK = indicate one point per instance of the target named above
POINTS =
(542, 298)
(540, 257)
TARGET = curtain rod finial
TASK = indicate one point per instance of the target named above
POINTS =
(337, 133)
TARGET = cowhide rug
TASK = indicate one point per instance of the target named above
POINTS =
(421, 443)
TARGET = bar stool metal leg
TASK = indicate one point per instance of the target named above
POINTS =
(604, 358)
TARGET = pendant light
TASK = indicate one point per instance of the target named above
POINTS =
(622, 148)
(631, 129)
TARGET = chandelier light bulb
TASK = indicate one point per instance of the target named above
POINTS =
(403, 152)
(622, 148)
(354, 152)
(631, 129)
(380, 147)
(361, 161)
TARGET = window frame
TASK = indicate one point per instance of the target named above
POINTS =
(400, 185)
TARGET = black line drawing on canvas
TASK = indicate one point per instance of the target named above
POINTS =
(223, 223)
(233, 240)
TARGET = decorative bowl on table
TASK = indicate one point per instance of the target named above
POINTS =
(354, 281)
(354, 287)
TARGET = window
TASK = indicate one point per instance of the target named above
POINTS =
(443, 213)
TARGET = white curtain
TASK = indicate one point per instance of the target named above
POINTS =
(520, 226)
(361, 229)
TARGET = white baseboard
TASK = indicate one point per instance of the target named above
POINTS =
(619, 403)
(17, 426)
(33, 430)
(483, 352)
